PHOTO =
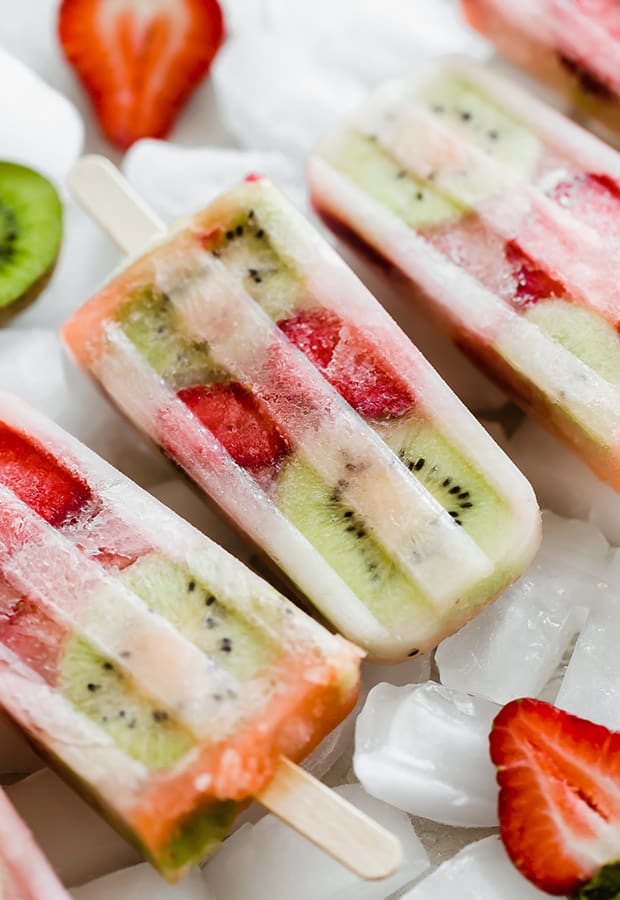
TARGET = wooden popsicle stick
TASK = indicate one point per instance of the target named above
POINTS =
(293, 795)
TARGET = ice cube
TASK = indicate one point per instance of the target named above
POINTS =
(481, 871)
(31, 365)
(79, 844)
(563, 483)
(16, 755)
(141, 882)
(176, 181)
(425, 749)
(591, 685)
(513, 648)
(270, 861)
(273, 94)
(38, 126)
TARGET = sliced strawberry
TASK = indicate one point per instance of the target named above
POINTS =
(239, 421)
(531, 283)
(33, 636)
(594, 199)
(349, 362)
(559, 803)
(50, 489)
(139, 61)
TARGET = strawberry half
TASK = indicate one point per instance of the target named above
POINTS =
(239, 421)
(349, 363)
(531, 283)
(52, 491)
(559, 802)
(139, 61)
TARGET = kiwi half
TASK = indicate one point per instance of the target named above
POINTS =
(30, 234)
(451, 479)
(341, 536)
(152, 324)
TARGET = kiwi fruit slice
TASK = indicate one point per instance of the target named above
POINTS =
(482, 122)
(340, 535)
(30, 234)
(270, 279)
(196, 611)
(152, 323)
(96, 687)
(583, 332)
(451, 479)
(382, 177)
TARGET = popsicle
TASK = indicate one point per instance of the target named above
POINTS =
(165, 680)
(244, 346)
(571, 45)
(504, 218)
(25, 874)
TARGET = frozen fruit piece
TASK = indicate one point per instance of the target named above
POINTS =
(139, 64)
(571, 46)
(239, 422)
(40, 480)
(532, 283)
(30, 234)
(559, 803)
(370, 540)
(166, 689)
(533, 222)
(347, 362)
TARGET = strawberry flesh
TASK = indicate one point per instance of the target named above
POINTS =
(33, 636)
(559, 802)
(239, 421)
(139, 62)
(593, 199)
(531, 282)
(350, 364)
(36, 477)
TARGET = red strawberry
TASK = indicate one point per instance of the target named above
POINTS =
(559, 802)
(51, 490)
(26, 630)
(594, 199)
(531, 283)
(139, 61)
(349, 363)
(239, 421)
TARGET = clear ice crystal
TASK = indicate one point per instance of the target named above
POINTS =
(424, 748)
(513, 648)
(141, 882)
(482, 871)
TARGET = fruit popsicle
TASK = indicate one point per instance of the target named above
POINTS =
(158, 674)
(245, 347)
(571, 45)
(25, 874)
(504, 216)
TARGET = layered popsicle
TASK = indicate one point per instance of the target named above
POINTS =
(25, 874)
(505, 217)
(247, 350)
(571, 45)
(158, 674)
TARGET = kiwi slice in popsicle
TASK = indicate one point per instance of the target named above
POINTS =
(30, 234)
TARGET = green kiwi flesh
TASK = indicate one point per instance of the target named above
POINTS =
(96, 687)
(247, 248)
(30, 233)
(418, 202)
(152, 324)
(341, 537)
(197, 612)
(583, 332)
(451, 479)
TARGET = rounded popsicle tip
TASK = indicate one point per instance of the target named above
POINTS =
(383, 860)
